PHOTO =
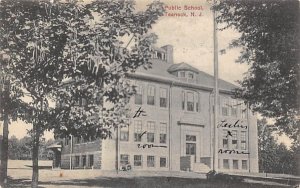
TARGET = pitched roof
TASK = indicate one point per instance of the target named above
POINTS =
(162, 70)
(182, 66)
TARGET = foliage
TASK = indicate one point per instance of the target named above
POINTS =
(273, 157)
(51, 42)
(21, 149)
(270, 42)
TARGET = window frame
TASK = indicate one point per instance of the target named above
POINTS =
(139, 93)
(163, 133)
(160, 162)
(138, 129)
(148, 161)
(161, 97)
(227, 164)
(150, 131)
(140, 161)
(149, 90)
(124, 134)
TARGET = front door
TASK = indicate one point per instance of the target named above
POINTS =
(190, 145)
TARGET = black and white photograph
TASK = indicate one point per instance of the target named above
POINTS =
(150, 93)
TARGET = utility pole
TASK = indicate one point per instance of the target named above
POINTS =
(216, 92)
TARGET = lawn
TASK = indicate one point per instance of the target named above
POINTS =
(20, 177)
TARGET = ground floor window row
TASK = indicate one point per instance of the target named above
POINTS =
(233, 164)
(143, 160)
(84, 161)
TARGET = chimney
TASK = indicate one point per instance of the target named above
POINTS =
(169, 54)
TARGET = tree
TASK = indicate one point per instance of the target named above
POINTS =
(270, 42)
(49, 43)
(10, 108)
(273, 157)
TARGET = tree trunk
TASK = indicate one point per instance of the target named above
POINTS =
(35, 156)
(4, 151)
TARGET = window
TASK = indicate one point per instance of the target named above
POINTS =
(137, 160)
(182, 74)
(183, 100)
(190, 75)
(197, 102)
(235, 164)
(77, 158)
(191, 148)
(137, 131)
(163, 98)
(190, 101)
(225, 107)
(151, 95)
(91, 160)
(225, 163)
(243, 140)
(163, 133)
(163, 162)
(233, 108)
(234, 140)
(124, 159)
(138, 98)
(190, 138)
(225, 139)
(190, 144)
(150, 161)
(244, 164)
(150, 131)
(124, 133)
(84, 160)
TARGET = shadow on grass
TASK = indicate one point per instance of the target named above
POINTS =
(143, 182)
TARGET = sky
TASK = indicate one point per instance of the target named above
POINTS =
(192, 40)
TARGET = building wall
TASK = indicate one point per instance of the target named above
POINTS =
(79, 151)
(187, 132)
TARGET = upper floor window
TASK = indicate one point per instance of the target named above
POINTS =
(225, 139)
(181, 74)
(234, 108)
(150, 131)
(234, 141)
(190, 101)
(225, 106)
(183, 100)
(163, 133)
(163, 97)
(190, 75)
(243, 140)
(137, 130)
(151, 95)
(124, 133)
(139, 95)
(197, 102)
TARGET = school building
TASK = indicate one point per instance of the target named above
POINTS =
(171, 125)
